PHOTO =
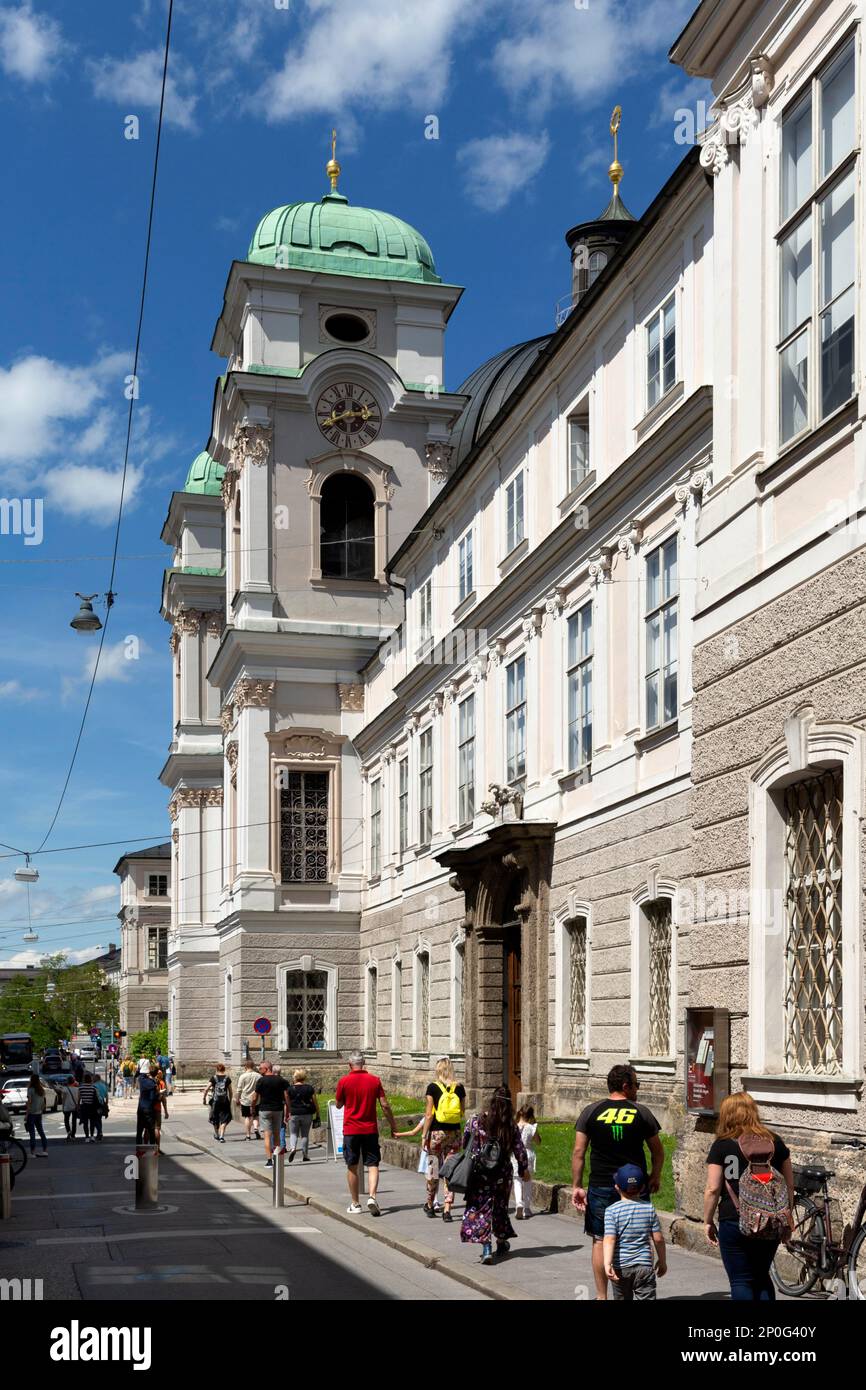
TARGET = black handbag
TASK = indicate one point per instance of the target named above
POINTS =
(457, 1170)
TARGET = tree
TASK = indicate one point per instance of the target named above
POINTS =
(56, 1001)
(152, 1043)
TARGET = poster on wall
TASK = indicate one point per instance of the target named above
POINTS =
(335, 1123)
(707, 1059)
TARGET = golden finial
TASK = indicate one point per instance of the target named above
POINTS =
(615, 171)
(332, 168)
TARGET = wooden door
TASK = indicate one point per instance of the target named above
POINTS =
(512, 1015)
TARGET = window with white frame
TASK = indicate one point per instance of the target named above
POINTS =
(458, 967)
(579, 676)
(396, 1004)
(813, 924)
(465, 575)
(514, 518)
(306, 1010)
(403, 804)
(515, 720)
(371, 1030)
(421, 1041)
(376, 827)
(662, 590)
(304, 826)
(425, 617)
(659, 1001)
(575, 973)
(661, 352)
(578, 450)
(157, 885)
(425, 787)
(818, 249)
(157, 948)
(466, 760)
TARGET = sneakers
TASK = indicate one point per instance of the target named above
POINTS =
(487, 1254)
(446, 1215)
(373, 1206)
(305, 1158)
(428, 1210)
(518, 1214)
(291, 1155)
(269, 1163)
(353, 1208)
(41, 1153)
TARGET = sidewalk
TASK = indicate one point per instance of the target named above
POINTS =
(550, 1259)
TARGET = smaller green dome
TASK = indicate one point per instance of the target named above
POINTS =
(332, 235)
(205, 475)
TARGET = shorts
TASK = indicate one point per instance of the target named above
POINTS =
(271, 1120)
(362, 1146)
(636, 1283)
(598, 1199)
(246, 1111)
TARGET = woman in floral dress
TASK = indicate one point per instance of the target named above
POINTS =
(485, 1217)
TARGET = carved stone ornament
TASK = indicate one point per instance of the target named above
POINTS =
(389, 754)
(193, 798)
(175, 836)
(232, 754)
(533, 623)
(212, 796)
(555, 602)
(351, 698)
(506, 803)
(227, 718)
(304, 747)
(438, 459)
(477, 670)
(496, 651)
(187, 622)
(693, 487)
(250, 444)
(735, 125)
(255, 693)
(631, 538)
(215, 623)
(763, 80)
(228, 486)
(599, 565)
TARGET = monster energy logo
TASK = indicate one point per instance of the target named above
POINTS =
(616, 1133)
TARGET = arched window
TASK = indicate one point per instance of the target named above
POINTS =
(347, 524)
(597, 263)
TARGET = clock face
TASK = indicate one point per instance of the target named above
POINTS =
(348, 415)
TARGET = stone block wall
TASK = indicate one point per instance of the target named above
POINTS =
(199, 1016)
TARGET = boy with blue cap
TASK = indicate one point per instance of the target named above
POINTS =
(633, 1240)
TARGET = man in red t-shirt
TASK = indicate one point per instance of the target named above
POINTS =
(357, 1094)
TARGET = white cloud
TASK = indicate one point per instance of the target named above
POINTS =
(38, 396)
(84, 492)
(136, 82)
(496, 167)
(120, 662)
(30, 43)
(384, 53)
(14, 690)
(558, 53)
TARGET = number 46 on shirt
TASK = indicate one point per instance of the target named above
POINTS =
(613, 1116)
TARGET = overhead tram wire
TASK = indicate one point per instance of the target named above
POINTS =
(132, 399)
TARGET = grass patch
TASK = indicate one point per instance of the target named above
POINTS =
(401, 1105)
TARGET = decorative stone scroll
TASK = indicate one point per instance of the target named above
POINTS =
(304, 747)
(438, 460)
(253, 693)
(351, 698)
(227, 718)
(600, 565)
(630, 538)
(232, 754)
(738, 119)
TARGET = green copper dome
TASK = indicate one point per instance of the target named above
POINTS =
(205, 475)
(332, 235)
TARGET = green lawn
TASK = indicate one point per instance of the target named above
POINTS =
(401, 1105)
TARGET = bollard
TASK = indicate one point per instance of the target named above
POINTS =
(147, 1180)
(280, 1178)
(5, 1187)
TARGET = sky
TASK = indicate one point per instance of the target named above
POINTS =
(517, 95)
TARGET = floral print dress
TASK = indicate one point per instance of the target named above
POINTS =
(485, 1217)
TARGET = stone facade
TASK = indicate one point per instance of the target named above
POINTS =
(145, 920)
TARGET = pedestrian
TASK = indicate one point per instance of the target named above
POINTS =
(528, 1127)
(34, 1112)
(442, 1132)
(129, 1072)
(303, 1110)
(245, 1095)
(358, 1093)
(168, 1069)
(218, 1092)
(634, 1247)
(69, 1099)
(745, 1155)
(160, 1109)
(144, 1066)
(147, 1113)
(270, 1093)
(494, 1139)
(101, 1105)
(614, 1131)
(88, 1108)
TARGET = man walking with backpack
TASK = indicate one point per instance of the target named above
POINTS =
(614, 1131)
(357, 1094)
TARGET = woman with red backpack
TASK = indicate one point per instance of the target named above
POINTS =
(751, 1181)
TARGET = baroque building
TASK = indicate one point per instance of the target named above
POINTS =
(512, 721)
(141, 969)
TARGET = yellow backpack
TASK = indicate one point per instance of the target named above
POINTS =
(448, 1110)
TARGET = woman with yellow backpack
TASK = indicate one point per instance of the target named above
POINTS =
(442, 1133)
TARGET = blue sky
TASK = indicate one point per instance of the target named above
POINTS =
(522, 91)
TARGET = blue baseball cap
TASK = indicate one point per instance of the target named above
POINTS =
(631, 1179)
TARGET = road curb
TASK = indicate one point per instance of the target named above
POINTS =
(415, 1249)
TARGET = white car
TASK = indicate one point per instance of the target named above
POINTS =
(13, 1093)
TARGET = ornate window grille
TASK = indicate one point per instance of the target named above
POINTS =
(397, 1006)
(422, 965)
(304, 828)
(813, 916)
(372, 1009)
(306, 1009)
(577, 947)
(658, 916)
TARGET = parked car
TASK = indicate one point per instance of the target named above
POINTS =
(52, 1062)
(14, 1094)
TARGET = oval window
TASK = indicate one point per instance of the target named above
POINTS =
(347, 328)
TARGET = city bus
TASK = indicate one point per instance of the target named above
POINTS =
(16, 1052)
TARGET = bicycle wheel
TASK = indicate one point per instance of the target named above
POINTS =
(17, 1156)
(857, 1268)
(795, 1266)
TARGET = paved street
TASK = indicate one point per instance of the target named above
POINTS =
(216, 1236)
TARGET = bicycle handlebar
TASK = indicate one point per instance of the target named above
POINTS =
(847, 1144)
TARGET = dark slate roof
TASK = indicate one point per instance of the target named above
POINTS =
(488, 387)
(154, 852)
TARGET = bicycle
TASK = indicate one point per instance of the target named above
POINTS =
(813, 1253)
(15, 1149)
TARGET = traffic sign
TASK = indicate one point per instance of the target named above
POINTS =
(112, 1049)
(262, 1025)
